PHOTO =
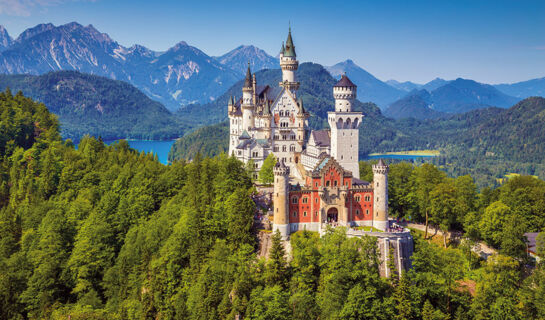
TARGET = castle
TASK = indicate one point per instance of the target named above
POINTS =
(316, 177)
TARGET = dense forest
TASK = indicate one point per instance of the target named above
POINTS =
(98, 106)
(107, 232)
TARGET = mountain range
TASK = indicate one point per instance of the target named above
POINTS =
(456, 96)
(98, 106)
(181, 75)
(186, 76)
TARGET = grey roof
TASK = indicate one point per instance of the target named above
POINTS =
(321, 137)
(358, 182)
(244, 135)
(345, 82)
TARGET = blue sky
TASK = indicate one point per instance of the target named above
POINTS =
(488, 41)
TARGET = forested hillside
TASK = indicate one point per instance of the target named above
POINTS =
(87, 104)
(105, 232)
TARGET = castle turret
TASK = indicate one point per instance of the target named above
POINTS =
(280, 199)
(380, 201)
(344, 93)
(289, 64)
(344, 124)
(247, 101)
(302, 115)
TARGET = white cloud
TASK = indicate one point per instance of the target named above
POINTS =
(24, 8)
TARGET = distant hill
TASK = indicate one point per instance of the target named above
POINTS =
(524, 89)
(407, 86)
(208, 141)
(463, 95)
(414, 105)
(515, 133)
(237, 59)
(88, 104)
(434, 84)
(457, 96)
(370, 89)
(181, 75)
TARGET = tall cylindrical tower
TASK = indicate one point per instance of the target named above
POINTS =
(247, 105)
(380, 201)
(344, 124)
(280, 199)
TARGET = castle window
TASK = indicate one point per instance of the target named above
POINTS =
(357, 212)
(305, 200)
(287, 113)
(304, 214)
(294, 200)
(335, 183)
(357, 198)
(275, 148)
(281, 113)
(367, 198)
(284, 148)
(292, 148)
(276, 137)
(367, 211)
(316, 187)
(295, 213)
(316, 200)
(327, 183)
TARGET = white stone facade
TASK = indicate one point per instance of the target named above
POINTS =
(273, 120)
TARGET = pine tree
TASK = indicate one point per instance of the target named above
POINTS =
(277, 268)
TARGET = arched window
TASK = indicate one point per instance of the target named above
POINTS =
(357, 212)
(327, 183)
(295, 213)
(275, 148)
(335, 183)
(304, 214)
(305, 199)
(294, 200)
(357, 198)
(367, 211)
(281, 113)
(292, 148)
(284, 148)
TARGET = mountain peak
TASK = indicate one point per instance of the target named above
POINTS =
(31, 32)
(237, 59)
(5, 39)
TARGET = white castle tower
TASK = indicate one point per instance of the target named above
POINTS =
(380, 201)
(247, 105)
(344, 126)
(289, 64)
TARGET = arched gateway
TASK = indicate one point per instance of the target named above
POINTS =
(332, 215)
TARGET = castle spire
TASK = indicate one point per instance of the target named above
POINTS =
(248, 80)
(290, 48)
(267, 107)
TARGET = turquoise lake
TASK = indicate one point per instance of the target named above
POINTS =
(160, 148)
